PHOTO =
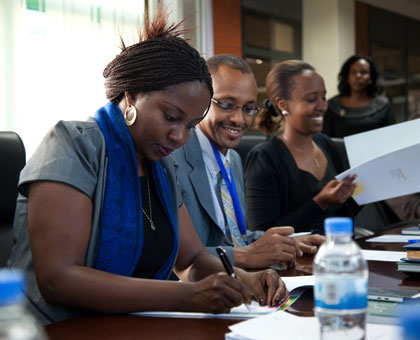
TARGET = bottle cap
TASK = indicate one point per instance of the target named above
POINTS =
(12, 286)
(338, 225)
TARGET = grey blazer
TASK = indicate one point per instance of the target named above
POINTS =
(195, 189)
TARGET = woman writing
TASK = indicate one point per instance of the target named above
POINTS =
(358, 107)
(289, 179)
(97, 217)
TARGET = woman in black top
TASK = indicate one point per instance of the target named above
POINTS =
(357, 108)
(290, 179)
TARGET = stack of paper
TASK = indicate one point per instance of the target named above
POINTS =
(411, 263)
(391, 238)
(386, 162)
(241, 312)
(283, 325)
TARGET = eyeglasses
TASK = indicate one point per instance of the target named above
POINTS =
(230, 107)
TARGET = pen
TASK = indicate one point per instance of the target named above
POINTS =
(228, 266)
(303, 233)
(284, 301)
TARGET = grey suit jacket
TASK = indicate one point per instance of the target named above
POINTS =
(195, 189)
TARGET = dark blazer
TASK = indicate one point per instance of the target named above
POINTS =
(341, 121)
(195, 188)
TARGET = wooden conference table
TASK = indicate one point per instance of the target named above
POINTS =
(381, 274)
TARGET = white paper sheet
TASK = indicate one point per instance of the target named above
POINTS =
(389, 238)
(240, 312)
(293, 282)
(283, 325)
(386, 162)
(364, 146)
(391, 175)
(383, 255)
(277, 325)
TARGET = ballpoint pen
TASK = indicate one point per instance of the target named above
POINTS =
(228, 266)
(303, 233)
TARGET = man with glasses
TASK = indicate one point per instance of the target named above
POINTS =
(211, 177)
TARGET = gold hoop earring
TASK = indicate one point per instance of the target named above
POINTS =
(128, 111)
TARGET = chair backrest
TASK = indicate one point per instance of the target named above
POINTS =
(12, 160)
(247, 143)
(339, 143)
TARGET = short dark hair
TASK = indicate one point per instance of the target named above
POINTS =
(279, 84)
(230, 60)
(343, 85)
(160, 59)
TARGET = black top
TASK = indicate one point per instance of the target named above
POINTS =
(158, 243)
(278, 193)
(341, 121)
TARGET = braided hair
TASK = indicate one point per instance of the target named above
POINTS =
(160, 59)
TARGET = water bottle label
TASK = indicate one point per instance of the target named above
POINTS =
(341, 293)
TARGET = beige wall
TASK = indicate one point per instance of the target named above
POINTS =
(328, 37)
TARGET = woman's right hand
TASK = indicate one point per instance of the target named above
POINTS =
(336, 192)
(218, 293)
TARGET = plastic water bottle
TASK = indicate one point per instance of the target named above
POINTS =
(341, 283)
(16, 322)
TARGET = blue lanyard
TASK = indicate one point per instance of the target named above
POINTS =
(233, 193)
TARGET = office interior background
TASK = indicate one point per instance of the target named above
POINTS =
(53, 52)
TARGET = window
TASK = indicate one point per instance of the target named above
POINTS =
(395, 50)
(271, 34)
(53, 53)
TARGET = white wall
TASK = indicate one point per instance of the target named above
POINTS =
(328, 36)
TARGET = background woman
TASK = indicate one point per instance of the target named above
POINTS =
(358, 107)
(289, 179)
(97, 216)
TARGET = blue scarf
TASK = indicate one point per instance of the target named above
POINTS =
(121, 240)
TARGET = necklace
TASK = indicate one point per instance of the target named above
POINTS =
(152, 225)
(303, 153)
(316, 162)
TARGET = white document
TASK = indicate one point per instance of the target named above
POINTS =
(392, 175)
(240, 312)
(278, 325)
(393, 238)
(283, 325)
(383, 255)
(367, 145)
(293, 282)
(386, 162)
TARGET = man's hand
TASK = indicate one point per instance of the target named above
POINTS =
(273, 247)
(309, 244)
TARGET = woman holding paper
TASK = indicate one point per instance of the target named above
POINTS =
(100, 223)
(358, 107)
(290, 179)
